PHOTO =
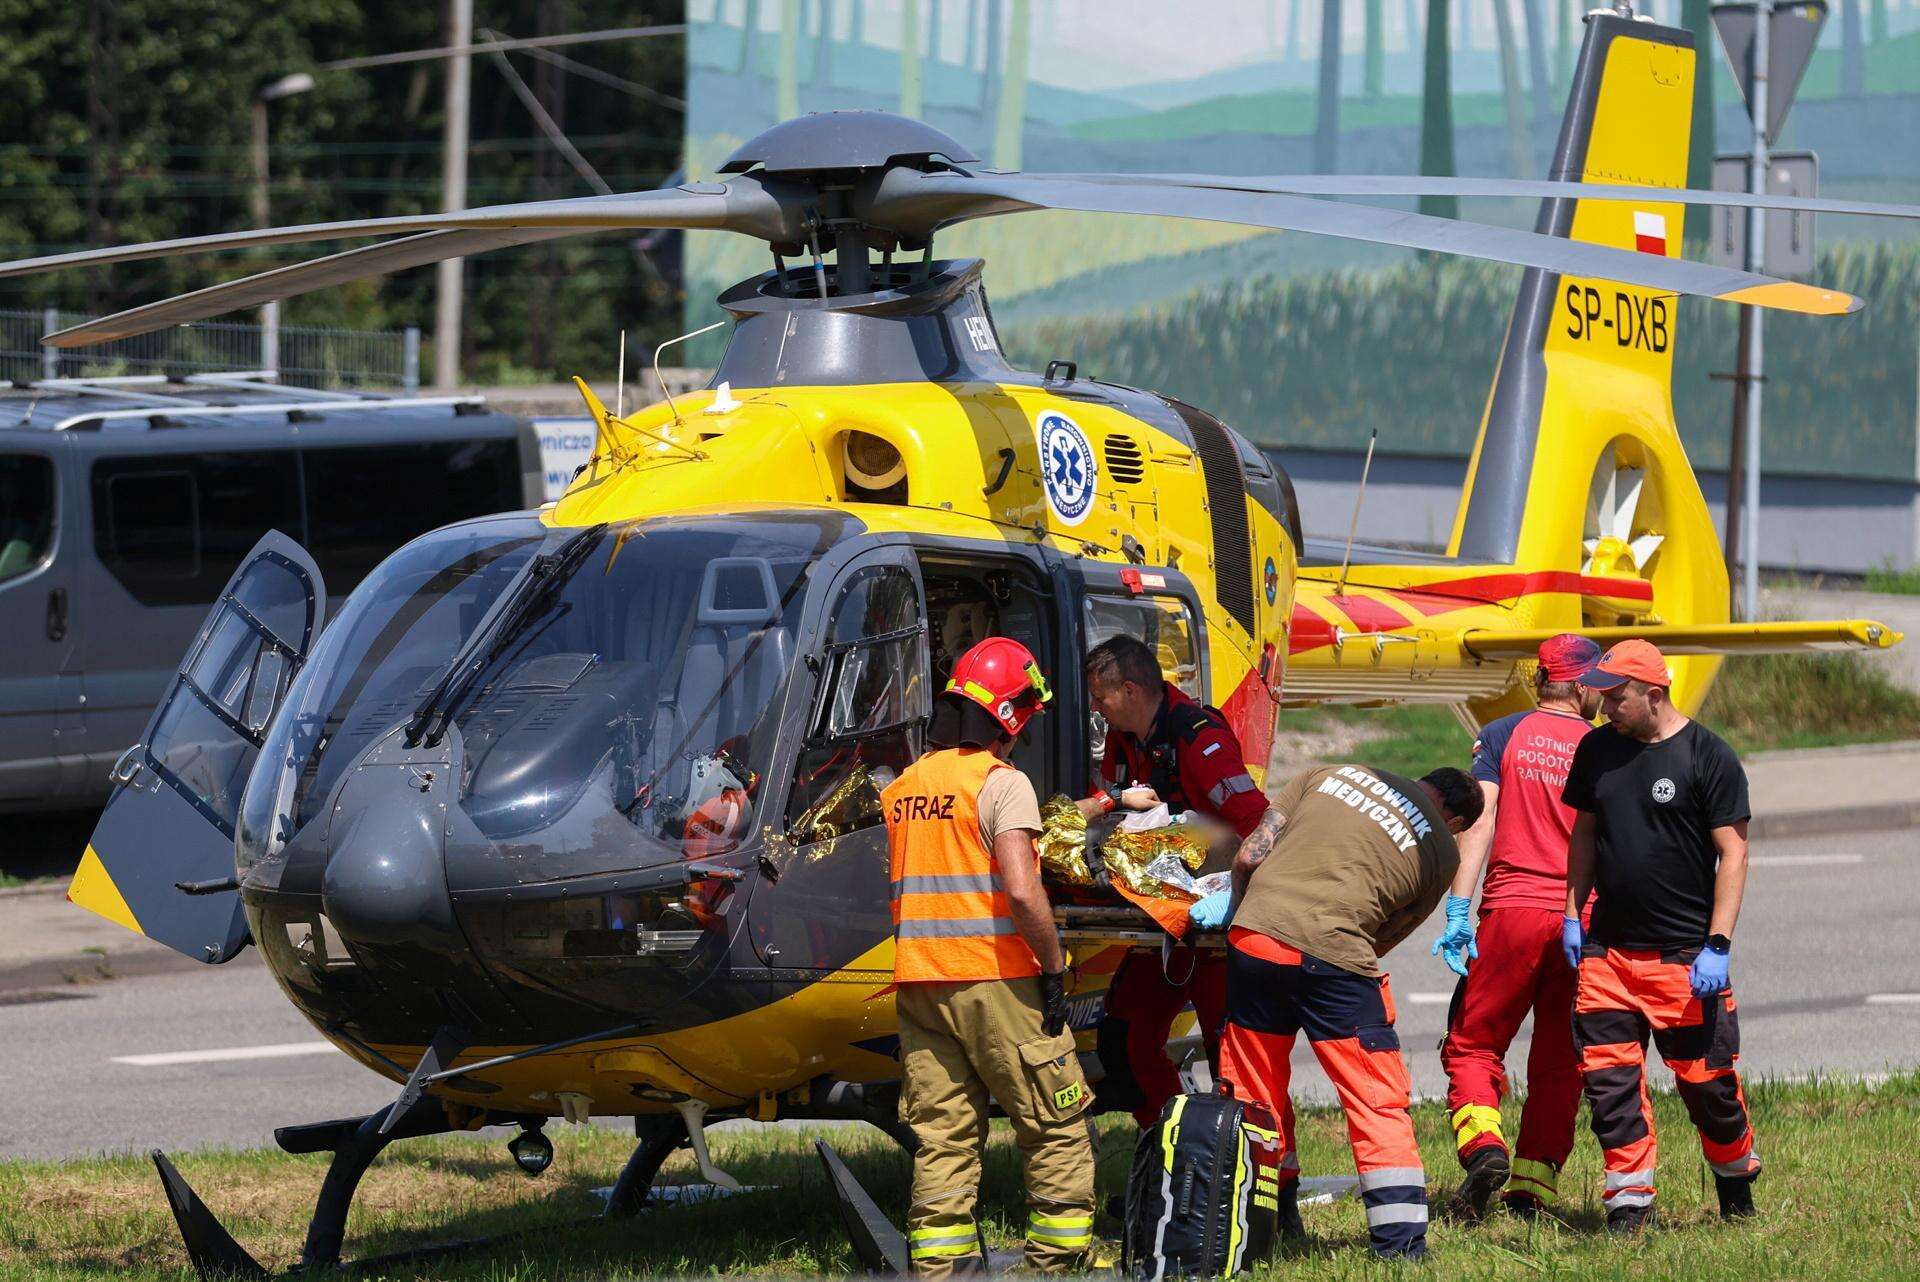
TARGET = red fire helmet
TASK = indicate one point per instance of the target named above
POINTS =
(1002, 676)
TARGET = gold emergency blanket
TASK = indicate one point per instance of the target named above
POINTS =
(1063, 851)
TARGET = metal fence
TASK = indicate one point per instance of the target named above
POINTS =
(309, 356)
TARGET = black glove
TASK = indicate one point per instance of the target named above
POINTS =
(1053, 1002)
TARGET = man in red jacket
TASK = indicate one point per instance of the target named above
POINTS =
(1521, 764)
(1161, 740)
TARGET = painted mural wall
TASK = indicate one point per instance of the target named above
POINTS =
(1306, 341)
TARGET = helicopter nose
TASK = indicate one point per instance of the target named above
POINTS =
(386, 881)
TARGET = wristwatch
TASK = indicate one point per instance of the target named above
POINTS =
(1109, 799)
(1719, 944)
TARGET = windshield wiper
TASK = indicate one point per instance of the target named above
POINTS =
(528, 601)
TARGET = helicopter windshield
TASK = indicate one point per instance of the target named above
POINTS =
(630, 718)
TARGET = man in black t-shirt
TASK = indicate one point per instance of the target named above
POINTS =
(1661, 835)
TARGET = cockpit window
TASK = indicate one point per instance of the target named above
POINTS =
(869, 710)
(626, 716)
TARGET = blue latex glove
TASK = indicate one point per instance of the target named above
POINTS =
(1211, 912)
(1456, 942)
(1709, 973)
(1572, 936)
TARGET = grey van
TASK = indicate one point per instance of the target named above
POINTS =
(125, 504)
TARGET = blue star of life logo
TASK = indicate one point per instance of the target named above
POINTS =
(1067, 466)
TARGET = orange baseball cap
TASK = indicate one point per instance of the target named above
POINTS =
(1631, 660)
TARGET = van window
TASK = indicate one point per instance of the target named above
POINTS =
(26, 512)
(365, 501)
(172, 528)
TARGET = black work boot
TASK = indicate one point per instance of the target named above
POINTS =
(1736, 1195)
(1625, 1221)
(1487, 1171)
(1287, 1218)
(1523, 1206)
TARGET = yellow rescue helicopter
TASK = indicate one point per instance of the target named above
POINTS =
(574, 812)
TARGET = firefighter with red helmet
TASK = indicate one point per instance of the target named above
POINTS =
(1162, 746)
(979, 974)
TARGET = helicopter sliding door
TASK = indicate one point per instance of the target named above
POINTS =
(177, 792)
(830, 903)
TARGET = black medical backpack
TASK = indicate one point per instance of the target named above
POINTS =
(1203, 1191)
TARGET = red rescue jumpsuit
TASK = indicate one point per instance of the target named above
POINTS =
(1520, 967)
(1194, 761)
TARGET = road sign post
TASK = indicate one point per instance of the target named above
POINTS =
(1761, 65)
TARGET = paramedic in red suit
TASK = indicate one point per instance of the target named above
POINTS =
(1515, 966)
(1162, 746)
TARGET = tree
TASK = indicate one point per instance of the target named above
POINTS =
(1563, 52)
(749, 36)
(1436, 111)
(1326, 127)
(933, 30)
(1293, 29)
(1010, 108)
(910, 57)
(1853, 61)
(823, 44)
(1877, 30)
(1519, 134)
(1537, 60)
(990, 59)
(787, 92)
(1376, 53)
(1697, 17)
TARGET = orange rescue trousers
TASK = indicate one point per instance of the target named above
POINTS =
(1274, 992)
(1626, 995)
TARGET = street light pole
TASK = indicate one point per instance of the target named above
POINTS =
(446, 329)
(1757, 165)
(262, 210)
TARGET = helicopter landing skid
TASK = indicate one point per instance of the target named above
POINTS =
(355, 1142)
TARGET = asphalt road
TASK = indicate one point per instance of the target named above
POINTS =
(1822, 967)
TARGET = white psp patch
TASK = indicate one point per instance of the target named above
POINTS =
(1067, 466)
(1663, 790)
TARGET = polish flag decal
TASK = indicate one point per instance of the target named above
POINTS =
(1650, 232)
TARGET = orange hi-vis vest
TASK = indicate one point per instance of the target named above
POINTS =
(952, 922)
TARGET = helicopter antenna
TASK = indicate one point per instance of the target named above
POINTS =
(620, 383)
(674, 409)
(1353, 527)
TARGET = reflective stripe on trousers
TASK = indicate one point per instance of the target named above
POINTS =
(1060, 1230)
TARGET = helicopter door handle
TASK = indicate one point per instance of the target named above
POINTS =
(128, 767)
(57, 615)
(1006, 468)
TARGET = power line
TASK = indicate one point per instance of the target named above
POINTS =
(500, 46)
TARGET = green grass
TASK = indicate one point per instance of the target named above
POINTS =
(1808, 701)
(1889, 578)
(1758, 703)
(1417, 738)
(1837, 1200)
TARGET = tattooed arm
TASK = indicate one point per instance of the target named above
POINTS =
(1255, 848)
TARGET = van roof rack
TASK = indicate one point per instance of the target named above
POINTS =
(157, 400)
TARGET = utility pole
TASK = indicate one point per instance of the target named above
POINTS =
(1753, 350)
(262, 211)
(446, 328)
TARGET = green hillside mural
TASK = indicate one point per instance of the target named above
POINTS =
(1308, 341)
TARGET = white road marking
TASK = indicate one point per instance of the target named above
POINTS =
(1429, 999)
(1893, 999)
(1804, 861)
(281, 1050)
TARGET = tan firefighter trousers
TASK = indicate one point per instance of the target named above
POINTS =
(960, 1043)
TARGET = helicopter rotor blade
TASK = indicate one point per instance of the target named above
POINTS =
(749, 204)
(1381, 186)
(910, 200)
(380, 259)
